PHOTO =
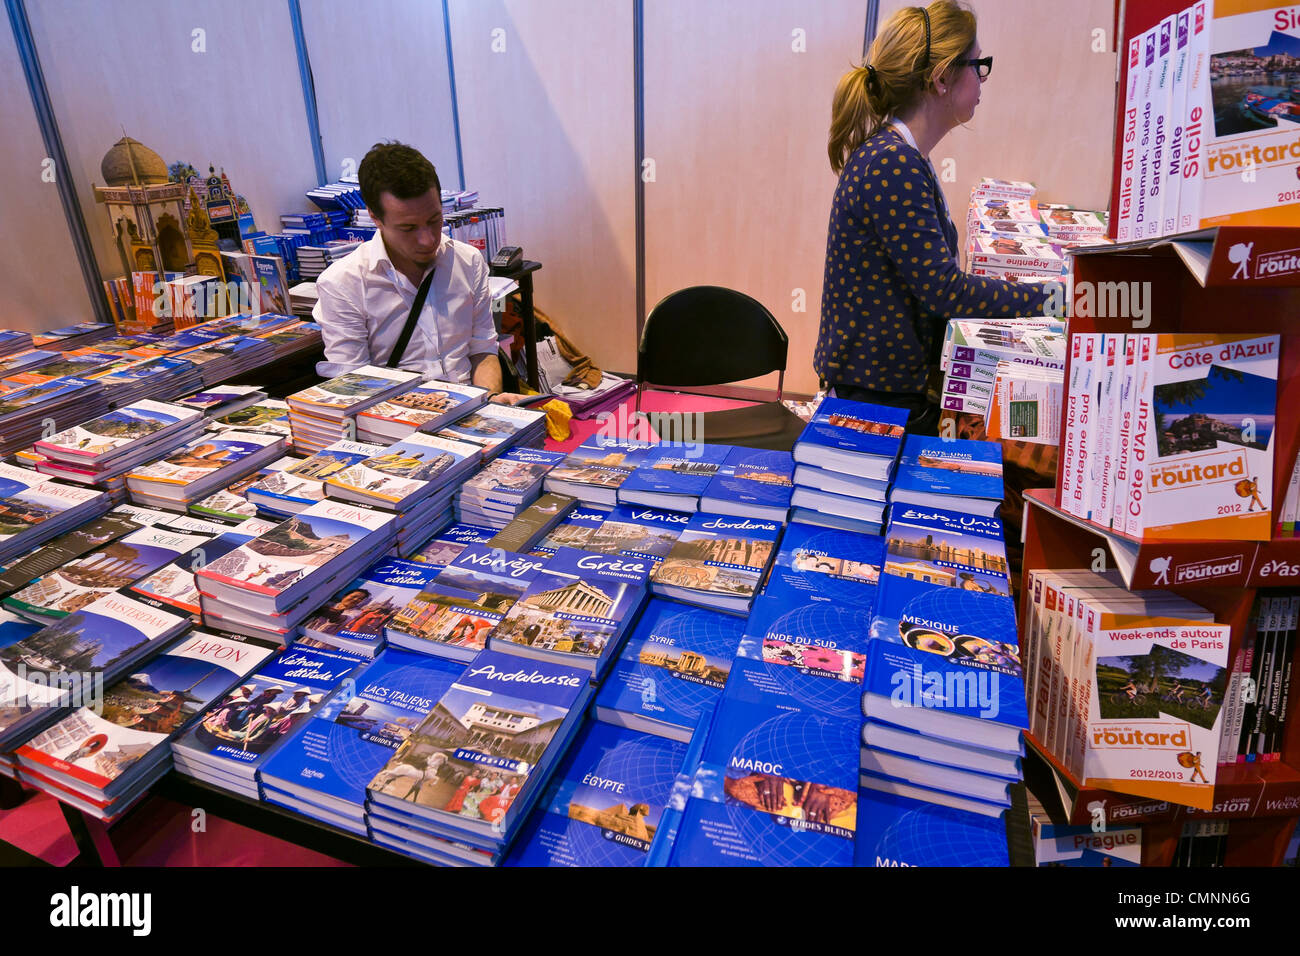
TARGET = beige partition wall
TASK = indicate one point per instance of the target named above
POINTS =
(39, 272)
(209, 81)
(380, 70)
(546, 97)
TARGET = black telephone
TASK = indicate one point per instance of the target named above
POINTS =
(507, 258)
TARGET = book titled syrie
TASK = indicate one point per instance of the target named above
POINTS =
(824, 564)
(718, 561)
(856, 438)
(934, 471)
(671, 671)
(576, 610)
(607, 802)
(752, 483)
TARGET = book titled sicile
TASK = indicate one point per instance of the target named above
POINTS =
(672, 670)
(950, 473)
(855, 438)
(718, 561)
(576, 610)
(486, 748)
(824, 564)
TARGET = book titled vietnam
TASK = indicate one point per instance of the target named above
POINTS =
(896, 830)
(574, 530)
(607, 803)
(594, 471)
(404, 472)
(775, 787)
(455, 614)
(489, 744)
(949, 473)
(355, 619)
(638, 531)
(824, 564)
(426, 406)
(751, 483)
(69, 662)
(855, 438)
(672, 670)
(234, 736)
(576, 610)
(105, 751)
(673, 476)
(718, 561)
(329, 763)
(928, 548)
(302, 485)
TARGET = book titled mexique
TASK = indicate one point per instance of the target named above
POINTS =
(718, 561)
(671, 671)
(487, 748)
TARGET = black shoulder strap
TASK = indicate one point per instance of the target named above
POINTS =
(399, 350)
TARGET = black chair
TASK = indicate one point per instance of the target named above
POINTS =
(708, 335)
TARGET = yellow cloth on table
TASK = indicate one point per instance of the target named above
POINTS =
(558, 416)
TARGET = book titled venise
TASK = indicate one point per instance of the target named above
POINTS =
(490, 742)
(718, 561)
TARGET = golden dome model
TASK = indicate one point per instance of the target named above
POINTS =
(116, 165)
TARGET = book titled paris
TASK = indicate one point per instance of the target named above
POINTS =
(718, 561)
(825, 564)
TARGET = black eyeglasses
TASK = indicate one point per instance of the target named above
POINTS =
(983, 66)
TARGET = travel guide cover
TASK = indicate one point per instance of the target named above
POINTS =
(358, 614)
(100, 437)
(751, 482)
(673, 476)
(404, 471)
(428, 403)
(935, 467)
(825, 564)
(303, 484)
(450, 542)
(845, 436)
(638, 531)
(575, 530)
(718, 560)
(594, 471)
(357, 389)
(896, 830)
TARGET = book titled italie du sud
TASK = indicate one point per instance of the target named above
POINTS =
(100, 752)
(1203, 439)
(751, 483)
(775, 787)
(340, 750)
(896, 830)
(638, 531)
(404, 472)
(718, 561)
(355, 619)
(607, 803)
(673, 476)
(486, 748)
(576, 609)
(672, 670)
(927, 548)
(852, 437)
(934, 471)
(574, 531)
(825, 564)
(275, 569)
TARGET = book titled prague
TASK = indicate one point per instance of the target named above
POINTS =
(455, 614)
(98, 751)
(751, 483)
(341, 749)
(671, 671)
(576, 610)
(301, 485)
(489, 745)
(718, 562)
(673, 476)
(355, 619)
(824, 564)
(607, 805)
(404, 472)
(933, 471)
(638, 531)
(1203, 439)
(852, 437)
(275, 569)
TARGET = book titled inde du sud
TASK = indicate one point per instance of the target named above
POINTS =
(672, 669)
(486, 748)
(927, 548)
(576, 609)
(895, 830)
(855, 438)
(607, 802)
(824, 564)
(776, 786)
(718, 561)
(338, 752)
(954, 672)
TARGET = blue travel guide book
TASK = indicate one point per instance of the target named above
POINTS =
(355, 618)
(639, 531)
(673, 476)
(852, 437)
(819, 479)
(809, 516)
(954, 672)
(338, 752)
(594, 471)
(672, 670)
(605, 806)
(898, 831)
(776, 786)
(752, 483)
(718, 562)
(824, 564)
(576, 610)
(493, 739)
(574, 531)
(935, 548)
(934, 471)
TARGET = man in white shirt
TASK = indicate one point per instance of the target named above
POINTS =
(364, 298)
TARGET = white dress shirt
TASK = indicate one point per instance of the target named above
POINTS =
(363, 301)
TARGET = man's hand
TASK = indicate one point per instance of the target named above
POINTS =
(508, 398)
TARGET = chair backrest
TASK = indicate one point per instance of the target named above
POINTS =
(709, 335)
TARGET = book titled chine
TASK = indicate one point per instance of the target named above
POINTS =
(856, 438)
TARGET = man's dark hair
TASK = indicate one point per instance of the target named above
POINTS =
(396, 168)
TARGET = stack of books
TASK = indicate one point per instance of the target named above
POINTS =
(534, 523)
(221, 400)
(227, 358)
(950, 473)
(266, 587)
(25, 411)
(37, 508)
(427, 406)
(313, 260)
(844, 460)
(267, 415)
(673, 476)
(463, 783)
(973, 351)
(68, 547)
(207, 463)
(595, 470)
(896, 830)
(717, 562)
(80, 363)
(505, 486)
(231, 503)
(303, 299)
(573, 531)
(355, 618)
(302, 484)
(290, 339)
(70, 337)
(1079, 845)
(498, 428)
(326, 413)
(11, 342)
(100, 451)
(751, 483)
(235, 736)
(102, 760)
(825, 564)
(163, 379)
(322, 772)
(21, 362)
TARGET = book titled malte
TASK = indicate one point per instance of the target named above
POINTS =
(718, 561)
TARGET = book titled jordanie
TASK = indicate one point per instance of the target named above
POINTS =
(718, 561)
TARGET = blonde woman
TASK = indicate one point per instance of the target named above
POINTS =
(892, 277)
